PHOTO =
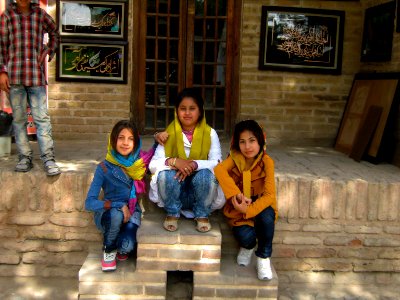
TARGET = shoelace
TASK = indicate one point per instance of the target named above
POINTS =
(109, 256)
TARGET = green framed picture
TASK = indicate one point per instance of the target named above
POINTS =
(103, 61)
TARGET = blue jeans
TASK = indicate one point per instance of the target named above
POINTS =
(35, 96)
(117, 235)
(196, 192)
(263, 231)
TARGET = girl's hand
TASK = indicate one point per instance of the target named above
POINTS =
(241, 203)
(161, 137)
(184, 168)
(241, 198)
(127, 214)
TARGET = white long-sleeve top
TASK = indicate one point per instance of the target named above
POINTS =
(157, 164)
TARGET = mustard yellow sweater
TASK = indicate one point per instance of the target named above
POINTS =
(262, 186)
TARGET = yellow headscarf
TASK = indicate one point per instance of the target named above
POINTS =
(240, 163)
(201, 142)
(133, 165)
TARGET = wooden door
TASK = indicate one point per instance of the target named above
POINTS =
(185, 43)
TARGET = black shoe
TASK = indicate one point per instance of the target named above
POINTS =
(24, 165)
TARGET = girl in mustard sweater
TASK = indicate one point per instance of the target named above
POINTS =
(247, 180)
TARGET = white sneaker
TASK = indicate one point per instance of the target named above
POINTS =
(264, 270)
(244, 256)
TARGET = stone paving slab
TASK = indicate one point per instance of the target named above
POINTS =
(59, 288)
(27, 288)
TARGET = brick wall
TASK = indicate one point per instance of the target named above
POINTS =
(294, 108)
(326, 227)
(297, 108)
(87, 111)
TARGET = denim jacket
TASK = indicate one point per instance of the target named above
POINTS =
(116, 187)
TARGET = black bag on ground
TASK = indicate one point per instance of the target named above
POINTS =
(5, 123)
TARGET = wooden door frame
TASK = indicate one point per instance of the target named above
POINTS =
(137, 109)
(138, 54)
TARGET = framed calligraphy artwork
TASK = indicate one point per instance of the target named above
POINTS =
(92, 62)
(301, 39)
(92, 19)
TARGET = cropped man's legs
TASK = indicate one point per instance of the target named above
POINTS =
(37, 102)
(19, 101)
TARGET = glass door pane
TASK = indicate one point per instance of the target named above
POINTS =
(185, 46)
(162, 62)
(209, 57)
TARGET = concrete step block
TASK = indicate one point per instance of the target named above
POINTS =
(152, 231)
(122, 288)
(234, 281)
(184, 250)
(122, 283)
(119, 297)
(111, 288)
(178, 265)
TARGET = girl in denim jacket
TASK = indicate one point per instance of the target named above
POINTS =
(120, 176)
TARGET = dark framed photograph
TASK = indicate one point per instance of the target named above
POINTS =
(103, 61)
(92, 19)
(301, 39)
(398, 16)
(377, 39)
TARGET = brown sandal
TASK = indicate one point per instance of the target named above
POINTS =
(203, 225)
(171, 223)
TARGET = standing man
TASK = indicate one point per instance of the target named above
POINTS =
(22, 56)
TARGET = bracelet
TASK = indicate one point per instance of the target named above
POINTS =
(155, 134)
(173, 162)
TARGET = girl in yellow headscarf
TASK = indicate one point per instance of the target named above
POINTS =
(247, 179)
(183, 180)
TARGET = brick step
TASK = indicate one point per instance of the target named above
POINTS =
(183, 250)
(125, 282)
(119, 297)
(215, 273)
(234, 281)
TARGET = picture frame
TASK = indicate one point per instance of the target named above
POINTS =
(398, 16)
(97, 61)
(377, 41)
(92, 19)
(301, 39)
(369, 92)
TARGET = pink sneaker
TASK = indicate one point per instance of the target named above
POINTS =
(108, 263)
(122, 256)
